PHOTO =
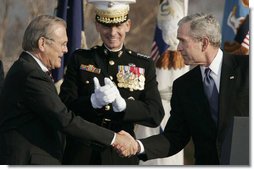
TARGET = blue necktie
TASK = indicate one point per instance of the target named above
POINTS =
(211, 93)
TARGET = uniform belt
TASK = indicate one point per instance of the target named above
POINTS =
(111, 124)
(107, 123)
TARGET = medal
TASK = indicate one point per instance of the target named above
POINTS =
(130, 76)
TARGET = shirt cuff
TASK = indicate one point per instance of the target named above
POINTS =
(113, 140)
(142, 149)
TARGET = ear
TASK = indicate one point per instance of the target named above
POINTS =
(205, 43)
(41, 43)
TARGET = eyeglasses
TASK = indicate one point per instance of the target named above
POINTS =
(63, 45)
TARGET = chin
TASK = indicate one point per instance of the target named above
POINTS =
(58, 66)
(113, 45)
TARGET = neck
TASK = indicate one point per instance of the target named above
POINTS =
(114, 50)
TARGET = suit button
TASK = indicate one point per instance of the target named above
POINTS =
(111, 62)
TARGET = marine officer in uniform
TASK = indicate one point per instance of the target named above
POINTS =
(111, 86)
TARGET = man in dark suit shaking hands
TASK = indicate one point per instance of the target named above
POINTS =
(33, 120)
(196, 114)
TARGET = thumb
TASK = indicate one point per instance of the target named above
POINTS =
(96, 83)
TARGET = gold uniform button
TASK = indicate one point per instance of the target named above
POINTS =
(111, 62)
(107, 107)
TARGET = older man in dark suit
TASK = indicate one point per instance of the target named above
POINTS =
(33, 120)
(197, 114)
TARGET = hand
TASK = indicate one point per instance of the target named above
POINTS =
(102, 95)
(125, 144)
(119, 104)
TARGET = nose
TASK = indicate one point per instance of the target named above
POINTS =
(65, 49)
(113, 30)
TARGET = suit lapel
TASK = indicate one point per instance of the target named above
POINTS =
(198, 96)
(198, 89)
(27, 57)
(227, 86)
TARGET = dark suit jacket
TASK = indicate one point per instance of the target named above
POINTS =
(33, 120)
(190, 115)
(143, 106)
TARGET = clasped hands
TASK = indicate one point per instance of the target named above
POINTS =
(104, 95)
(125, 145)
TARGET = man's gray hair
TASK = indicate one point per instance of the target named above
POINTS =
(203, 25)
(41, 26)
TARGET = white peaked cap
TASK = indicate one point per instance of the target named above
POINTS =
(110, 12)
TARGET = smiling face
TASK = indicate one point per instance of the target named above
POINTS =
(113, 36)
(54, 47)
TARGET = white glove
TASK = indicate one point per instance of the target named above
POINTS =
(102, 95)
(119, 104)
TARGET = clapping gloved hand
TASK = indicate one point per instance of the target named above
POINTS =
(103, 95)
(106, 94)
(119, 103)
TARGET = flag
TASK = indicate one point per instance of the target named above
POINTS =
(236, 13)
(169, 66)
(159, 46)
(72, 12)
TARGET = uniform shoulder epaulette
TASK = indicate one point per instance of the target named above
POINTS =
(82, 51)
(87, 49)
(94, 47)
(138, 54)
(78, 51)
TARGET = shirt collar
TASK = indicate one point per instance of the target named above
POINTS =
(215, 66)
(43, 67)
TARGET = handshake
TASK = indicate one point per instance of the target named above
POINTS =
(125, 145)
(104, 95)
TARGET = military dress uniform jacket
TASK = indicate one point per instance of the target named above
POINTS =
(34, 121)
(191, 117)
(142, 97)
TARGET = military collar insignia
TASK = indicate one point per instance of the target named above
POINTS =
(112, 53)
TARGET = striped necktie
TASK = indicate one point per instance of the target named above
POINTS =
(50, 75)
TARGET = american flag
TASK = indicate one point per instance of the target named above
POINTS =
(159, 46)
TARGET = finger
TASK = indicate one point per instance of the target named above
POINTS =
(96, 83)
(108, 81)
(122, 132)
